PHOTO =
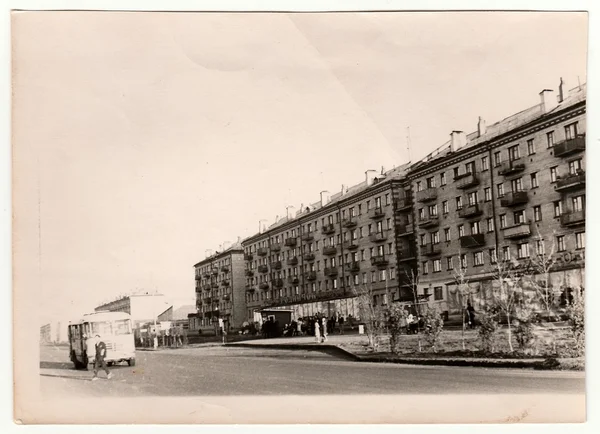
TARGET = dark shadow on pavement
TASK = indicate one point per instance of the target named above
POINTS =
(56, 365)
(70, 377)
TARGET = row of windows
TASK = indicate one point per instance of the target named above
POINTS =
(214, 265)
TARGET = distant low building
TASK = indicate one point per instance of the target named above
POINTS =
(142, 307)
(178, 316)
(54, 333)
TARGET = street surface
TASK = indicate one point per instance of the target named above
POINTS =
(247, 371)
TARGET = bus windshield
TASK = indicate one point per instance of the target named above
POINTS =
(106, 328)
(122, 327)
(101, 328)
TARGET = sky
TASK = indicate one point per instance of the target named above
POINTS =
(140, 140)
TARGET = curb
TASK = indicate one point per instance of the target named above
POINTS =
(333, 350)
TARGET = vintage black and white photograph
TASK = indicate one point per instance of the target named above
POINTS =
(341, 217)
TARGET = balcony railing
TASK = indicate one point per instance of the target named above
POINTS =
(473, 240)
(328, 229)
(354, 266)
(572, 218)
(225, 282)
(466, 180)
(264, 286)
(262, 251)
(275, 247)
(263, 268)
(569, 147)
(376, 213)
(292, 261)
(215, 271)
(430, 221)
(403, 203)
(250, 288)
(349, 222)
(248, 256)
(225, 268)
(470, 211)
(310, 275)
(276, 265)
(290, 242)
(571, 182)
(350, 245)
(405, 230)
(206, 274)
(309, 257)
(278, 283)
(518, 231)
(379, 261)
(293, 280)
(331, 271)
(329, 250)
(406, 255)
(214, 285)
(308, 236)
(207, 287)
(514, 199)
(431, 249)
(427, 195)
(198, 277)
(249, 273)
(378, 237)
(510, 168)
(226, 297)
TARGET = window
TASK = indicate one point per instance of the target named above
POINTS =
(470, 167)
(540, 248)
(423, 241)
(553, 173)
(560, 243)
(445, 207)
(534, 180)
(571, 131)
(392, 273)
(519, 217)
(506, 253)
(500, 190)
(473, 198)
(447, 234)
(433, 210)
(463, 260)
(437, 293)
(435, 237)
(557, 208)
(443, 178)
(475, 228)
(537, 213)
(425, 267)
(387, 198)
(487, 194)
(530, 147)
(362, 255)
(577, 203)
(574, 167)
(431, 182)
(478, 259)
(513, 153)
(422, 214)
(523, 250)
(493, 255)
(455, 172)
(459, 202)
(484, 163)
(382, 276)
(490, 224)
(516, 185)
(449, 263)
(502, 221)
(550, 138)
(580, 240)
(497, 159)
(373, 276)
(461, 231)
(368, 205)
(437, 265)
(364, 278)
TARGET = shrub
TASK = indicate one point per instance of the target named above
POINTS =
(395, 323)
(576, 314)
(488, 330)
(434, 325)
(523, 323)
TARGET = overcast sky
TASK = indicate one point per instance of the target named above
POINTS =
(154, 137)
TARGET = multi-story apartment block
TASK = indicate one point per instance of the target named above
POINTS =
(313, 261)
(220, 288)
(504, 192)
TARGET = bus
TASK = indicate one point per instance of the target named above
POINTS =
(115, 330)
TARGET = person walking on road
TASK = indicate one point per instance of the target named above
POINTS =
(324, 322)
(100, 355)
(341, 323)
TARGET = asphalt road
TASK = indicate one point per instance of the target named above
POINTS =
(226, 371)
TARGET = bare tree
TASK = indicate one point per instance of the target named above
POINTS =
(413, 280)
(464, 291)
(542, 262)
(370, 315)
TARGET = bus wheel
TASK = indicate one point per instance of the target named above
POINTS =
(131, 362)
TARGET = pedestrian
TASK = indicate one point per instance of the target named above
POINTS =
(324, 323)
(317, 331)
(470, 314)
(99, 362)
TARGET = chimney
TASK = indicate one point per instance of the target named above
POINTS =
(547, 101)
(561, 90)
(290, 211)
(344, 189)
(261, 226)
(325, 198)
(458, 139)
(370, 176)
(481, 127)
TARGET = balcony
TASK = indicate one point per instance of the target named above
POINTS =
(354, 266)
(227, 297)
(293, 280)
(406, 255)
(466, 180)
(521, 230)
(207, 287)
(198, 277)
(308, 236)
(571, 182)
(470, 241)
(207, 299)
(427, 195)
(329, 250)
(510, 168)
(377, 213)
(276, 265)
(331, 271)
(310, 275)
(378, 237)
(403, 203)
(250, 288)
(264, 286)
(429, 222)
(275, 247)
(263, 268)
(225, 268)
(309, 257)
(350, 245)
(224, 282)
(431, 249)
(290, 242)
(405, 230)
(248, 256)
(215, 271)
(569, 147)
(349, 222)
(292, 261)
(206, 274)
(470, 211)
(249, 273)
(572, 218)
(278, 283)
(214, 285)
(379, 261)
(514, 199)
(328, 229)
(262, 251)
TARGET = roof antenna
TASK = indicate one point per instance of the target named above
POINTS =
(408, 143)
